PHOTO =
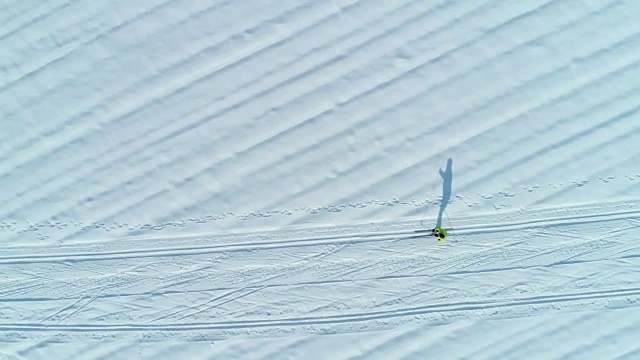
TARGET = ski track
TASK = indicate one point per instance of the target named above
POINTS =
(192, 292)
(169, 172)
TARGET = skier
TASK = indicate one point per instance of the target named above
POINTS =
(440, 233)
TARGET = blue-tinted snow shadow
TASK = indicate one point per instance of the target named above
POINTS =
(447, 180)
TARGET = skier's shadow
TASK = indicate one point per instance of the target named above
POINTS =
(447, 180)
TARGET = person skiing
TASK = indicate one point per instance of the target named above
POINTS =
(439, 232)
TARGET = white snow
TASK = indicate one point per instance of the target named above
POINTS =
(256, 179)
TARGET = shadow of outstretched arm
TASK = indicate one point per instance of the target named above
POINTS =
(447, 177)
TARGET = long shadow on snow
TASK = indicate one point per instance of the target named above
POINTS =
(447, 180)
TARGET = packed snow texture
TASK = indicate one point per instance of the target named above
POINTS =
(257, 179)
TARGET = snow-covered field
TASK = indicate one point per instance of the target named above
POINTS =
(227, 179)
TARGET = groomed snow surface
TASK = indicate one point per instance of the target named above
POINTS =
(227, 179)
